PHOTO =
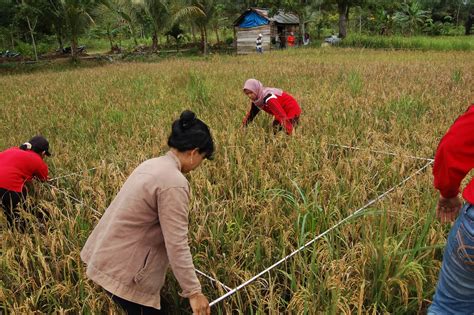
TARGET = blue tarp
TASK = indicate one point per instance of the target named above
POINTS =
(253, 20)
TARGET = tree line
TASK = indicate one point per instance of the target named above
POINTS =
(67, 20)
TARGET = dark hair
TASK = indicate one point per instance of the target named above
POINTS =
(188, 133)
(37, 144)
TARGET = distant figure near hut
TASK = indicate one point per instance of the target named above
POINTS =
(256, 21)
(306, 39)
(258, 44)
(291, 40)
(282, 41)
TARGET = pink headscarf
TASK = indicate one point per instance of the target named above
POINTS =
(261, 91)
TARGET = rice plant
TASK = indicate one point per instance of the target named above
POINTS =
(264, 196)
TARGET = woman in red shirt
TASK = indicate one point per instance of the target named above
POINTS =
(17, 167)
(274, 101)
(454, 159)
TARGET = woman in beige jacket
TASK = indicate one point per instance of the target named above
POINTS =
(145, 228)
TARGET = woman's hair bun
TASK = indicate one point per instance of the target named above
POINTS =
(187, 119)
(189, 133)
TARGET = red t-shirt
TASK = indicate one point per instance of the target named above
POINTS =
(291, 41)
(455, 158)
(19, 166)
(283, 107)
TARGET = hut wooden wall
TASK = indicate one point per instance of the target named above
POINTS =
(246, 38)
(273, 30)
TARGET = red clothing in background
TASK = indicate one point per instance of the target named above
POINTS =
(283, 108)
(455, 158)
(291, 40)
(19, 166)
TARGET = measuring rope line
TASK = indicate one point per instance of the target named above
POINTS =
(98, 213)
(73, 174)
(319, 236)
(212, 279)
(382, 152)
(73, 198)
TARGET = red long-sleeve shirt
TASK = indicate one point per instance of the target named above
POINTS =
(19, 166)
(455, 158)
(283, 107)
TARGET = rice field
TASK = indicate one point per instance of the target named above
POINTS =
(264, 195)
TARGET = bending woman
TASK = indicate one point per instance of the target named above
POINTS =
(281, 105)
(145, 228)
(17, 167)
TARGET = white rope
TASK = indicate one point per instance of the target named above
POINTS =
(381, 152)
(214, 280)
(73, 174)
(318, 237)
(232, 291)
(73, 198)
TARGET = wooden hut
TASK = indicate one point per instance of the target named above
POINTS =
(274, 29)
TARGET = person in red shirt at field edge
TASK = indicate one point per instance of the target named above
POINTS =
(291, 40)
(454, 159)
(274, 101)
(17, 167)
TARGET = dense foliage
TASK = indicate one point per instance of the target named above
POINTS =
(43, 24)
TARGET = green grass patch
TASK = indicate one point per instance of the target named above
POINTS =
(441, 43)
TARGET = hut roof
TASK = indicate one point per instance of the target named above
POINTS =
(259, 16)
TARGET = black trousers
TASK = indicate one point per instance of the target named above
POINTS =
(10, 200)
(277, 127)
(132, 308)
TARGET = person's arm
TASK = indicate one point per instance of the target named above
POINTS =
(455, 155)
(173, 216)
(277, 110)
(254, 110)
(453, 160)
(41, 172)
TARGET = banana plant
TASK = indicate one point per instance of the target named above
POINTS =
(411, 17)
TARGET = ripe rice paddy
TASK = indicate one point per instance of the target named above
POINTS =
(264, 195)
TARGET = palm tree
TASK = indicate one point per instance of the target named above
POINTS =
(208, 10)
(77, 14)
(128, 10)
(159, 12)
(164, 14)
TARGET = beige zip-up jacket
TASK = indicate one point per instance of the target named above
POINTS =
(144, 230)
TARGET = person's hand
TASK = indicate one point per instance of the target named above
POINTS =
(448, 209)
(199, 304)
